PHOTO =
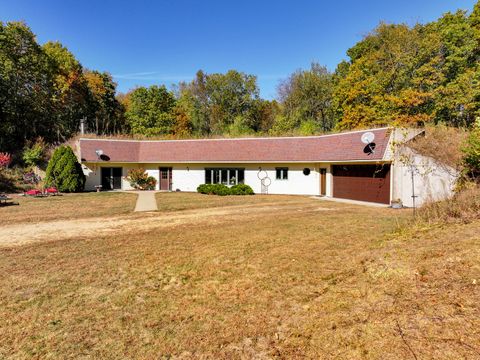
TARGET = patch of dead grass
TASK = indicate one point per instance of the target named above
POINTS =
(67, 206)
(463, 207)
(442, 143)
(177, 201)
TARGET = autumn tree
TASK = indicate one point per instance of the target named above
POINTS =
(71, 93)
(379, 86)
(307, 97)
(151, 111)
(218, 102)
(412, 75)
(26, 88)
(104, 110)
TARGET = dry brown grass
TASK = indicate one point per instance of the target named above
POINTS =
(310, 279)
(442, 143)
(463, 207)
(67, 206)
(186, 201)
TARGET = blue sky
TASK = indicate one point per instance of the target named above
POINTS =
(162, 42)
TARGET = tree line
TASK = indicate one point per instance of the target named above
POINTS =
(396, 75)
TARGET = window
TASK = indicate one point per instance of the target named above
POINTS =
(226, 176)
(281, 173)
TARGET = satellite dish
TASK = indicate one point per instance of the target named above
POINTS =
(368, 137)
(99, 152)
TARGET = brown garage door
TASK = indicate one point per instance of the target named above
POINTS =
(362, 182)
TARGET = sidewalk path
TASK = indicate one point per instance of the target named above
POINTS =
(146, 201)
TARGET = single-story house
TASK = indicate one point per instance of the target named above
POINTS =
(369, 165)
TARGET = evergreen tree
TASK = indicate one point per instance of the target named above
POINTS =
(64, 171)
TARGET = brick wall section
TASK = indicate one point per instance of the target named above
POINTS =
(337, 147)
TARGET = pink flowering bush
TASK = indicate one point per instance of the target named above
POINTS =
(5, 160)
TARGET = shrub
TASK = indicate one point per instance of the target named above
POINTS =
(64, 171)
(9, 180)
(204, 189)
(5, 160)
(140, 180)
(241, 189)
(34, 154)
(223, 190)
(31, 178)
(471, 154)
(213, 189)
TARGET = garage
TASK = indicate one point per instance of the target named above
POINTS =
(362, 182)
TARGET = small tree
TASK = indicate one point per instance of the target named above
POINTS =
(34, 154)
(64, 171)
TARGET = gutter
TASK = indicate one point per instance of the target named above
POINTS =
(376, 161)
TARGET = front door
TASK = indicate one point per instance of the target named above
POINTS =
(111, 178)
(323, 182)
(165, 178)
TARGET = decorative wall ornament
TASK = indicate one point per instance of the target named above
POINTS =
(265, 181)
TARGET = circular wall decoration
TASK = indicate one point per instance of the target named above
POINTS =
(306, 171)
(262, 174)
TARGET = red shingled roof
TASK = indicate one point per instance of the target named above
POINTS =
(336, 147)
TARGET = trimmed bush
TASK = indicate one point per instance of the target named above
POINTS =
(214, 189)
(241, 189)
(64, 171)
(204, 189)
(223, 190)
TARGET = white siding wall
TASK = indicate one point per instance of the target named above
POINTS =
(432, 181)
(92, 176)
(296, 184)
(187, 177)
